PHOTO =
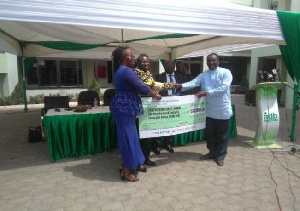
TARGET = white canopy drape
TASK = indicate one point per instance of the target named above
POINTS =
(162, 29)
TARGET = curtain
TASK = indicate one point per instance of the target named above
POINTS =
(290, 25)
(28, 65)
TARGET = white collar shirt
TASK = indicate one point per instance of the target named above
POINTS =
(217, 83)
(169, 81)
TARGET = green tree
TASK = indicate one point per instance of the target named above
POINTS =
(94, 86)
(17, 94)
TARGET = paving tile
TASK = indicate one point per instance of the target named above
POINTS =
(180, 181)
(269, 206)
(58, 209)
(235, 191)
(113, 206)
(129, 208)
(182, 204)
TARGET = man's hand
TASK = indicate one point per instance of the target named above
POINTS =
(175, 85)
(201, 94)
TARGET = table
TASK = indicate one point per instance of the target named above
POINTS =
(71, 134)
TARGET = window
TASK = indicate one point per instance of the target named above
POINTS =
(237, 66)
(48, 73)
(194, 64)
(110, 72)
(273, 5)
(32, 75)
(196, 69)
(70, 73)
(55, 73)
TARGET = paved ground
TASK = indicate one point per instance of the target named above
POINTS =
(251, 179)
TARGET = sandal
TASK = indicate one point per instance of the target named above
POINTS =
(142, 169)
(130, 177)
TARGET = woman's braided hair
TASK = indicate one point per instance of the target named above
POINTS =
(117, 56)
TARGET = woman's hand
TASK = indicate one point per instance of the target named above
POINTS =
(155, 95)
(158, 97)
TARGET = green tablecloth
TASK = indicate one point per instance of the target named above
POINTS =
(82, 134)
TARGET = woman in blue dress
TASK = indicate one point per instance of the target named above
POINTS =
(125, 106)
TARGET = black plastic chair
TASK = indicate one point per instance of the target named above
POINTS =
(87, 98)
(108, 96)
(51, 102)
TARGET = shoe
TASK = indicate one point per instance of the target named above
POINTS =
(220, 162)
(128, 176)
(169, 148)
(207, 156)
(148, 162)
(155, 150)
(142, 169)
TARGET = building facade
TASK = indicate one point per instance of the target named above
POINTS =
(51, 76)
(8, 73)
(261, 55)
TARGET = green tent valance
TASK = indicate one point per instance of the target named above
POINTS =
(64, 45)
(71, 46)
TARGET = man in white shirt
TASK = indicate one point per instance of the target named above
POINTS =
(215, 86)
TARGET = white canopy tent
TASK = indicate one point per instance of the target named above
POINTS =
(225, 49)
(162, 29)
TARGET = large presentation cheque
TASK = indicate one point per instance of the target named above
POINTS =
(171, 115)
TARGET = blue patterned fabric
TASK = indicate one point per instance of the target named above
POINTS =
(125, 105)
(131, 153)
(127, 100)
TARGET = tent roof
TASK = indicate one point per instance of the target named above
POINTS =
(225, 49)
(158, 28)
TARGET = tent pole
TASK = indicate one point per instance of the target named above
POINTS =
(122, 35)
(24, 86)
(294, 112)
(24, 81)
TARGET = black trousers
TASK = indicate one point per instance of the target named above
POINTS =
(147, 144)
(165, 141)
(217, 136)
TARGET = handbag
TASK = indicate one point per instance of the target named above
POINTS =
(34, 134)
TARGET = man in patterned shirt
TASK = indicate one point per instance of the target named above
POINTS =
(143, 64)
